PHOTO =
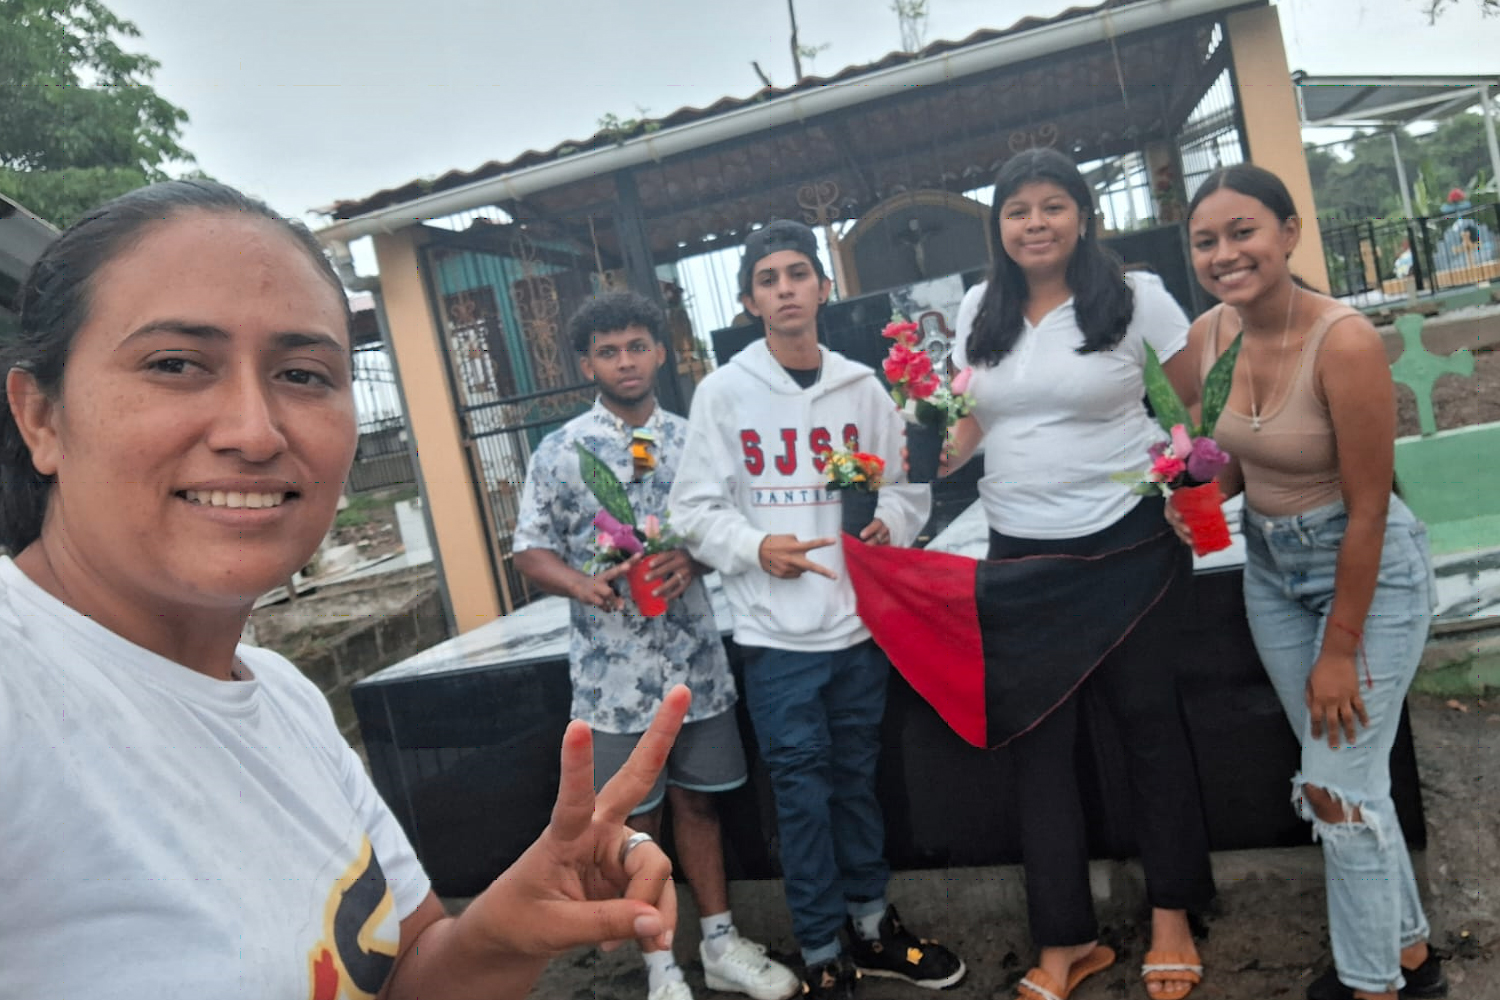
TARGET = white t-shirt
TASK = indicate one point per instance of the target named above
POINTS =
(167, 835)
(1057, 424)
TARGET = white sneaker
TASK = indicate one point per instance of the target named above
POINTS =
(744, 968)
(676, 989)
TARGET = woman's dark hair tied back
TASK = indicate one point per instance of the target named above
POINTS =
(54, 303)
(1102, 301)
(1253, 182)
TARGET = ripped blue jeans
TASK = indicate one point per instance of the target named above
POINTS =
(1373, 907)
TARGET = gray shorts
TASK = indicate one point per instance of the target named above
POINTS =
(707, 757)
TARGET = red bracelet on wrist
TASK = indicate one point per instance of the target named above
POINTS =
(1358, 635)
(1359, 639)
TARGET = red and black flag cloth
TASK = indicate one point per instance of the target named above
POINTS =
(994, 645)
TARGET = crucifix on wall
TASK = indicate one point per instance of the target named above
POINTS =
(916, 235)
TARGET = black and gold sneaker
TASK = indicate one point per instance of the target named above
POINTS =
(831, 980)
(899, 954)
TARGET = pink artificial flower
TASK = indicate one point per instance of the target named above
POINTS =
(903, 333)
(1166, 469)
(651, 527)
(961, 381)
(1182, 442)
(1206, 460)
(621, 536)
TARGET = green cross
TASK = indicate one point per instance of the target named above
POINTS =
(1417, 368)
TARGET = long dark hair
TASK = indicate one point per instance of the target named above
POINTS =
(54, 304)
(1102, 300)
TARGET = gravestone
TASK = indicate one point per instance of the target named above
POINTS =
(1450, 479)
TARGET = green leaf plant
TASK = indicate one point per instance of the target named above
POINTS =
(605, 486)
(1168, 406)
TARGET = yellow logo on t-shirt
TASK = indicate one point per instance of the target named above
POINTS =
(350, 962)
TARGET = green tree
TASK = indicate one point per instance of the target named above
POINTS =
(1361, 183)
(79, 120)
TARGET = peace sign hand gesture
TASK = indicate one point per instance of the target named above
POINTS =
(576, 885)
(572, 886)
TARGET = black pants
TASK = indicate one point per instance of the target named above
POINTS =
(1137, 684)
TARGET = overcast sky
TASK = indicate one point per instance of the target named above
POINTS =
(305, 102)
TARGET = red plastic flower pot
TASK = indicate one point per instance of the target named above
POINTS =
(1202, 510)
(641, 591)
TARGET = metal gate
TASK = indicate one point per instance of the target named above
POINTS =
(503, 305)
(383, 458)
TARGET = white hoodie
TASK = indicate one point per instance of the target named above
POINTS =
(747, 471)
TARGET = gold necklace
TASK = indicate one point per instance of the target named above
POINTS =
(1286, 328)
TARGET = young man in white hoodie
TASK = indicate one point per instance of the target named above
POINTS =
(750, 497)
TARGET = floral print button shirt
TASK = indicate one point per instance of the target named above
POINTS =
(621, 663)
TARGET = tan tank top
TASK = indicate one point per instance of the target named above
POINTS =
(1291, 464)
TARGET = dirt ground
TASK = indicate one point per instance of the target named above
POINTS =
(1268, 938)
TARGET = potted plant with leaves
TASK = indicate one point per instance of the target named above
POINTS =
(1183, 468)
(620, 538)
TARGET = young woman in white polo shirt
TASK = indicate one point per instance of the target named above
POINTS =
(1056, 338)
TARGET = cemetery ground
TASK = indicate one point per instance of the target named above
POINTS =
(1268, 934)
(1458, 401)
(1267, 937)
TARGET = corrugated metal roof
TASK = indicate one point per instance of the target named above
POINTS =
(419, 187)
(23, 237)
(1389, 100)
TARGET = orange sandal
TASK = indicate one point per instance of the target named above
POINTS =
(1037, 985)
(1177, 974)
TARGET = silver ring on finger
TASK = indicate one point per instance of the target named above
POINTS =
(631, 843)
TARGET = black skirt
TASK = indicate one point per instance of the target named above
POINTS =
(995, 645)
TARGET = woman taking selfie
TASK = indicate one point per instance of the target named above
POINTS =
(181, 816)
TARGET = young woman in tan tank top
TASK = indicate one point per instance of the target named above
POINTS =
(1337, 574)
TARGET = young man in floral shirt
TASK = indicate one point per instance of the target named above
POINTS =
(622, 663)
(751, 497)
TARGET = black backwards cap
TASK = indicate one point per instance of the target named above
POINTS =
(783, 234)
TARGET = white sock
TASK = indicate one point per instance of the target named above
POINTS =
(661, 968)
(868, 926)
(718, 933)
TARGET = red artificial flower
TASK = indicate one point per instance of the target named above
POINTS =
(923, 386)
(903, 333)
(903, 364)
